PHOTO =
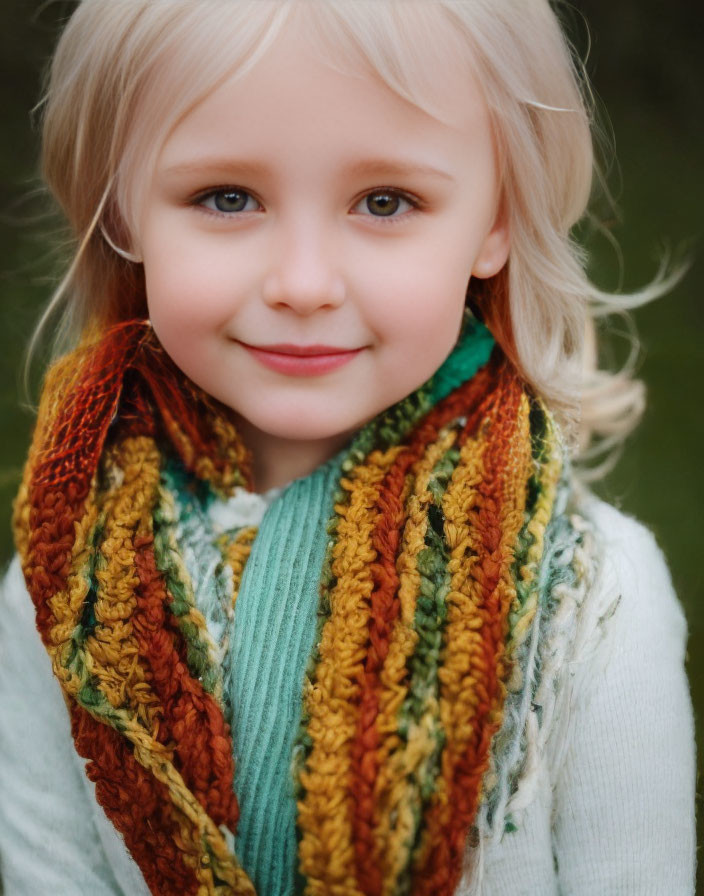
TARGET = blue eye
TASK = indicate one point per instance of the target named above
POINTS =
(385, 204)
(228, 201)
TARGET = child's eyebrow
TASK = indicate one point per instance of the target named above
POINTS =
(395, 167)
(220, 164)
(360, 168)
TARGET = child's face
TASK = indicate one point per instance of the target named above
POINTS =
(265, 225)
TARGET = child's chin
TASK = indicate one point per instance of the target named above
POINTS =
(295, 422)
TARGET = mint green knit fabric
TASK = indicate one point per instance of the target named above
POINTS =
(266, 645)
(274, 627)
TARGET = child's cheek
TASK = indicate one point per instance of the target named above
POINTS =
(197, 279)
(415, 294)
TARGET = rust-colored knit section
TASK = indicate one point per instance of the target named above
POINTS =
(191, 718)
(466, 401)
(448, 823)
(136, 803)
(128, 370)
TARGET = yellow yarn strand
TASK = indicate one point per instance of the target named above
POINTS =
(204, 847)
(528, 574)
(463, 667)
(397, 762)
(112, 651)
(236, 553)
(230, 448)
(170, 554)
(326, 852)
(461, 600)
(67, 606)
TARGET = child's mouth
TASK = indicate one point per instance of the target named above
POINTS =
(301, 360)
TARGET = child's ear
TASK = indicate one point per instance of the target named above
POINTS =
(134, 257)
(116, 235)
(493, 254)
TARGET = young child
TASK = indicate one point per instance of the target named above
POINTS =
(300, 535)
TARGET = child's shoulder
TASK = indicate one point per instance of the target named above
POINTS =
(630, 632)
(632, 568)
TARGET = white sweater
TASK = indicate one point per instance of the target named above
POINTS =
(606, 809)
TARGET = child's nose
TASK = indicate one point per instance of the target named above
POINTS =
(305, 274)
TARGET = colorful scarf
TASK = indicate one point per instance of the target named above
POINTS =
(427, 595)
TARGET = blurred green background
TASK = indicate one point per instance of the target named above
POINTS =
(645, 64)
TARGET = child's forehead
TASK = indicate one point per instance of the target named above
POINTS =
(422, 57)
(311, 59)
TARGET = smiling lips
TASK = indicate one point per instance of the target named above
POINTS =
(301, 360)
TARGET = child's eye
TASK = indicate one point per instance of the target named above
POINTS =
(228, 200)
(385, 204)
(379, 204)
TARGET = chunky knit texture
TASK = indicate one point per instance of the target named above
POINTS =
(429, 589)
(264, 644)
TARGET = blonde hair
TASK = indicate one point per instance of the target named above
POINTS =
(126, 71)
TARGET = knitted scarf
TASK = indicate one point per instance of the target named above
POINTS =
(426, 597)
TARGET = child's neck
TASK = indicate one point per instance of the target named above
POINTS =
(277, 461)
